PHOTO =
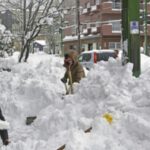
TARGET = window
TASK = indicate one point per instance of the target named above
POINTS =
(87, 5)
(116, 26)
(114, 45)
(90, 46)
(73, 47)
(93, 25)
(97, 24)
(105, 56)
(73, 30)
(84, 26)
(81, 27)
(142, 28)
(88, 25)
(85, 57)
(116, 4)
(97, 2)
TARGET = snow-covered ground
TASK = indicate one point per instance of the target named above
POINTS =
(34, 88)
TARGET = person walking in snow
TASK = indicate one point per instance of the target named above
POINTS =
(4, 133)
(74, 70)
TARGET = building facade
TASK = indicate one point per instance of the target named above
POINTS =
(100, 25)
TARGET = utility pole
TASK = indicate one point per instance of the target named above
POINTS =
(61, 35)
(145, 27)
(131, 39)
(124, 32)
(24, 15)
(24, 22)
(78, 24)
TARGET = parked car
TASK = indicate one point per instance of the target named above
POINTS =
(88, 58)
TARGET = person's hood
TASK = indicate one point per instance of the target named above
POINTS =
(73, 55)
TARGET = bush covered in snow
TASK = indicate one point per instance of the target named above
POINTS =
(6, 42)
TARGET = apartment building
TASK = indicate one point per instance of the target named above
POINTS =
(100, 25)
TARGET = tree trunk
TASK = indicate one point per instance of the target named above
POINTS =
(21, 54)
(27, 51)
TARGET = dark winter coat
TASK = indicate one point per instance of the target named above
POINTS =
(76, 69)
(77, 73)
(3, 133)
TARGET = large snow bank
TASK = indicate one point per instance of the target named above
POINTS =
(35, 89)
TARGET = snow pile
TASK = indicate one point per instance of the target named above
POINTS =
(109, 88)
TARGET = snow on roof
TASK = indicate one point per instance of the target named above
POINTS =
(41, 42)
(72, 38)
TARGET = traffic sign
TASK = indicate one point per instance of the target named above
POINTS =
(134, 27)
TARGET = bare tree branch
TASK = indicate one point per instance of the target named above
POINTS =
(37, 13)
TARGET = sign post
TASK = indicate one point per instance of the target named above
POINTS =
(131, 33)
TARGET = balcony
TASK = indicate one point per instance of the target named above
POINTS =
(94, 8)
(95, 30)
(86, 31)
(85, 11)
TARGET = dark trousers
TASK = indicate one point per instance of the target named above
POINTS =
(3, 133)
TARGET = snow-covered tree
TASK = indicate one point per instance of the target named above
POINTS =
(6, 42)
(34, 14)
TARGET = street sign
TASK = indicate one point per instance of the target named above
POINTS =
(134, 27)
